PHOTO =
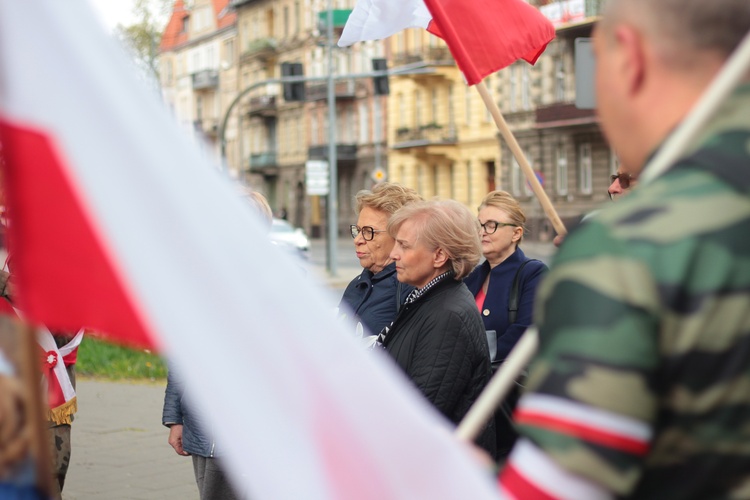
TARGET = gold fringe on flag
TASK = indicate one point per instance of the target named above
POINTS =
(63, 414)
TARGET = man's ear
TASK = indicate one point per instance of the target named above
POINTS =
(439, 258)
(632, 58)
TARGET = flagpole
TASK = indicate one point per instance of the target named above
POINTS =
(510, 139)
(733, 71)
(500, 384)
(35, 417)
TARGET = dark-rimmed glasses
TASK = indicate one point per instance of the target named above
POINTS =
(368, 232)
(491, 226)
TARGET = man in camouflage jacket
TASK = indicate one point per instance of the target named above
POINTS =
(641, 387)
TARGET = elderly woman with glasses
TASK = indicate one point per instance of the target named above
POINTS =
(374, 297)
(438, 338)
(503, 287)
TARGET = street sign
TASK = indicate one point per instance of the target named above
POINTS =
(379, 175)
(317, 178)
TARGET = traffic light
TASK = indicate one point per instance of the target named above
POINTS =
(380, 82)
(293, 91)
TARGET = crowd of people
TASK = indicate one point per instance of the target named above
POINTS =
(640, 385)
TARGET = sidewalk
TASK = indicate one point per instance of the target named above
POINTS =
(120, 448)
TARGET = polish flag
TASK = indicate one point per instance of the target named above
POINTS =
(119, 225)
(484, 36)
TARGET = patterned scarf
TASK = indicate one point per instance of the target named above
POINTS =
(415, 295)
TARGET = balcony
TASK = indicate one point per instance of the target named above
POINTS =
(264, 105)
(261, 48)
(565, 14)
(564, 115)
(425, 135)
(344, 91)
(262, 161)
(439, 54)
(207, 126)
(344, 152)
(409, 57)
(206, 79)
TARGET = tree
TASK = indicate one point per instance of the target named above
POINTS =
(142, 38)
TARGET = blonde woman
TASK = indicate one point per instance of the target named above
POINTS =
(503, 287)
(374, 297)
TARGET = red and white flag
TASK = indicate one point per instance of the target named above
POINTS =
(484, 36)
(118, 225)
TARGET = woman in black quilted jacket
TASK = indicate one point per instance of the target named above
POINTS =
(438, 337)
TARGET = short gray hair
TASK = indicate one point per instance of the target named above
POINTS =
(679, 28)
(444, 224)
(387, 197)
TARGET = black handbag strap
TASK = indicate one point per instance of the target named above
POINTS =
(514, 293)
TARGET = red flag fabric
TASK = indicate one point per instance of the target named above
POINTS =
(485, 36)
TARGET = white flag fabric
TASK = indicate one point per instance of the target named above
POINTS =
(119, 225)
(378, 19)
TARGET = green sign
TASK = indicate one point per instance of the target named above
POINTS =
(339, 18)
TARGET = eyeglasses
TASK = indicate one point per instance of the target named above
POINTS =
(368, 232)
(491, 226)
(623, 178)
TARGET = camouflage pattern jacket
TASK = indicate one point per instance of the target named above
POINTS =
(641, 387)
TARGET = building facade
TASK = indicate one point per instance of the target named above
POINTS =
(432, 132)
(443, 141)
(199, 63)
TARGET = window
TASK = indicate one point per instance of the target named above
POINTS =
(286, 22)
(297, 17)
(518, 182)
(168, 74)
(229, 52)
(401, 111)
(210, 63)
(614, 162)
(559, 80)
(434, 106)
(515, 177)
(525, 88)
(364, 123)
(561, 163)
(584, 168)
(417, 40)
(513, 87)
(186, 24)
(314, 130)
(467, 103)
(417, 108)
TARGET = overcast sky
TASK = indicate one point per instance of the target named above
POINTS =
(112, 12)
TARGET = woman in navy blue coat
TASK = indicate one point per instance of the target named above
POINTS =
(491, 283)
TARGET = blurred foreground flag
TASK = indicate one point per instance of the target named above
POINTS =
(484, 36)
(116, 224)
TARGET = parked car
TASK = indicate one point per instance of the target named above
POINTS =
(290, 238)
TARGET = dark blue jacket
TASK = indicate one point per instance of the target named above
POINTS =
(495, 310)
(374, 299)
(176, 411)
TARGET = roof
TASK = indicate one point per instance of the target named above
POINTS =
(174, 36)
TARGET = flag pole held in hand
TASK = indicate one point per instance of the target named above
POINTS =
(484, 407)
